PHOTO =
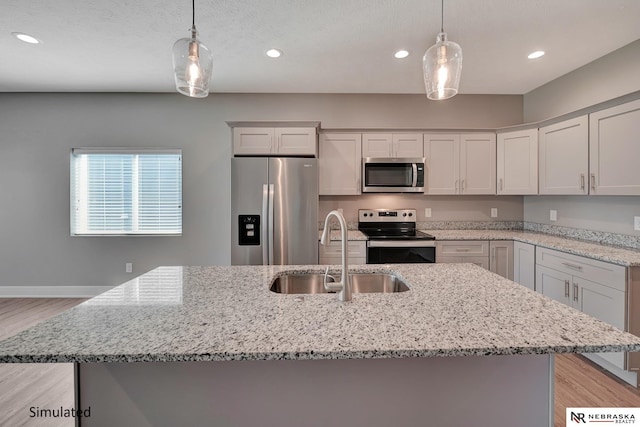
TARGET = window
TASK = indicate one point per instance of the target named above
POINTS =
(124, 191)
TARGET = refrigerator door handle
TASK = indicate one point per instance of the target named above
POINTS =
(271, 191)
(264, 237)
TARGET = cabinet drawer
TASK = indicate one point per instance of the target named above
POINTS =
(611, 275)
(462, 248)
(357, 248)
(336, 260)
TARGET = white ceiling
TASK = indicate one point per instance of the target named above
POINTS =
(330, 46)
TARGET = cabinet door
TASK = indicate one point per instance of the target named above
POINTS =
(296, 141)
(614, 150)
(340, 164)
(377, 145)
(408, 145)
(443, 163)
(554, 284)
(524, 256)
(517, 167)
(478, 164)
(501, 258)
(604, 303)
(564, 157)
(253, 141)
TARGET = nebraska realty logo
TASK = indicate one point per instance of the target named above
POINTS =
(602, 416)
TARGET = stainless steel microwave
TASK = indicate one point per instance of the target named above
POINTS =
(393, 175)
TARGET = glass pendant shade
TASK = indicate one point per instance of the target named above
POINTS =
(442, 67)
(192, 65)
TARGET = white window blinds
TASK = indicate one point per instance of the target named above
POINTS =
(126, 191)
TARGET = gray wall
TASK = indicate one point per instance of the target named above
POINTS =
(609, 77)
(443, 208)
(613, 214)
(39, 130)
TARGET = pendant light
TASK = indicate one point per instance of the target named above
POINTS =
(442, 66)
(192, 63)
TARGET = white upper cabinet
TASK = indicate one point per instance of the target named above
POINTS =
(392, 145)
(408, 145)
(250, 141)
(262, 141)
(478, 163)
(340, 164)
(442, 152)
(517, 166)
(564, 157)
(614, 148)
(460, 164)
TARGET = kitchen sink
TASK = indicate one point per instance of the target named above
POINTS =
(361, 283)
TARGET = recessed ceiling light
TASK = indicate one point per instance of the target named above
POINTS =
(536, 54)
(401, 54)
(274, 53)
(26, 38)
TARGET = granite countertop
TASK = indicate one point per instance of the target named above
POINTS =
(228, 313)
(612, 254)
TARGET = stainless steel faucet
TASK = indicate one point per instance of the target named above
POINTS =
(344, 285)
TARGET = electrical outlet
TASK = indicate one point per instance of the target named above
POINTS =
(494, 212)
(636, 223)
(128, 267)
(427, 212)
(553, 215)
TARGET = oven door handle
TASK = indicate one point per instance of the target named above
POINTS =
(401, 244)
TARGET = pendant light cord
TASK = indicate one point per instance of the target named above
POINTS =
(441, 16)
(193, 13)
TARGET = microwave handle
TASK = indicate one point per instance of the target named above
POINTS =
(414, 167)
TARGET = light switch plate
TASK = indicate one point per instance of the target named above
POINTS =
(636, 223)
(427, 212)
(553, 215)
(494, 212)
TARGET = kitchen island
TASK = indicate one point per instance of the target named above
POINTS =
(213, 346)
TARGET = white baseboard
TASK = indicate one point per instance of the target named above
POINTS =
(52, 291)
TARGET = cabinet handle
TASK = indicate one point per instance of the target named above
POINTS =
(575, 291)
(593, 181)
(582, 182)
(501, 186)
(462, 186)
(456, 185)
(574, 266)
(566, 289)
(493, 254)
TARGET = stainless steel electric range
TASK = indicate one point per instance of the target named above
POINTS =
(393, 237)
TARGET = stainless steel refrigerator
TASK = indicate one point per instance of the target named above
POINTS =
(274, 211)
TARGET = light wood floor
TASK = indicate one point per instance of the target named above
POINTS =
(26, 385)
(578, 382)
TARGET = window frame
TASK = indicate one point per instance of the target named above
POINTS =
(120, 151)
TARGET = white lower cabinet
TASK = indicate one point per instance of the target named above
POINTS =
(332, 252)
(524, 264)
(496, 256)
(563, 277)
(501, 258)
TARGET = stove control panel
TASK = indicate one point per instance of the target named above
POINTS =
(387, 215)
